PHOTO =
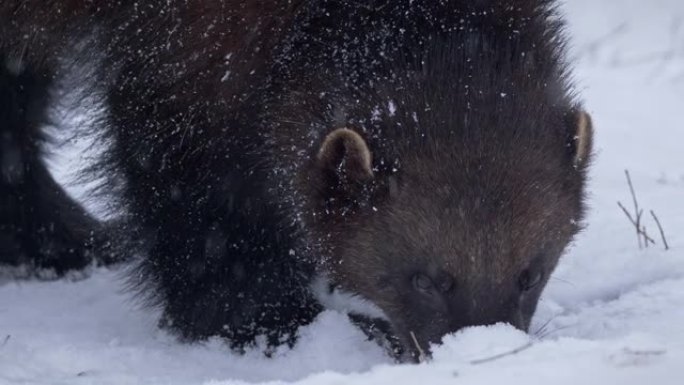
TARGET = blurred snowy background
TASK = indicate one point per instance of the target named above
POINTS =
(612, 314)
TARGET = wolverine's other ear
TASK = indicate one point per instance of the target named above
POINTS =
(346, 154)
(581, 137)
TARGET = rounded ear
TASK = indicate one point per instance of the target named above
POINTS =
(346, 154)
(581, 134)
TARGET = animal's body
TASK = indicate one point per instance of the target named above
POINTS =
(428, 156)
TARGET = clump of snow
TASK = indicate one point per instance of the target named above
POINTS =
(612, 314)
(391, 108)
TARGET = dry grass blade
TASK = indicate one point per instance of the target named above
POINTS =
(422, 357)
(552, 331)
(543, 327)
(640, 231)
(502, 355)
(660, 228)
(637, 222)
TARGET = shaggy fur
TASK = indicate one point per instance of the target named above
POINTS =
(222, 122)
(39, 224)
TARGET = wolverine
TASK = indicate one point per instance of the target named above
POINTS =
(429, 157)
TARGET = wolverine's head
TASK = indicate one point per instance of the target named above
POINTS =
(445, 180)
(456, 229)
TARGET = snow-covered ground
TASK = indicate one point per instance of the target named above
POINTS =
(613, 314)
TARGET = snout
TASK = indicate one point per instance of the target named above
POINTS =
(418, 341)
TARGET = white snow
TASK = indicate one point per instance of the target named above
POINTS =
(612, 314)
(391, 108)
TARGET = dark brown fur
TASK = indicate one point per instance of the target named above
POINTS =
(479, 171)
(223, 119)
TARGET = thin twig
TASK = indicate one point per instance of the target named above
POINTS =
(636, 206)
(640, 232)
(592, 48)
(422, 357)
(542, 329)
(662, 233)
(550, 332)
(645, 352)
(502, 355)
(563, 280)
(629, 216)
(5, 340)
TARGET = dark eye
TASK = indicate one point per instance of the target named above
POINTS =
(422, 282)
(529, 280)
